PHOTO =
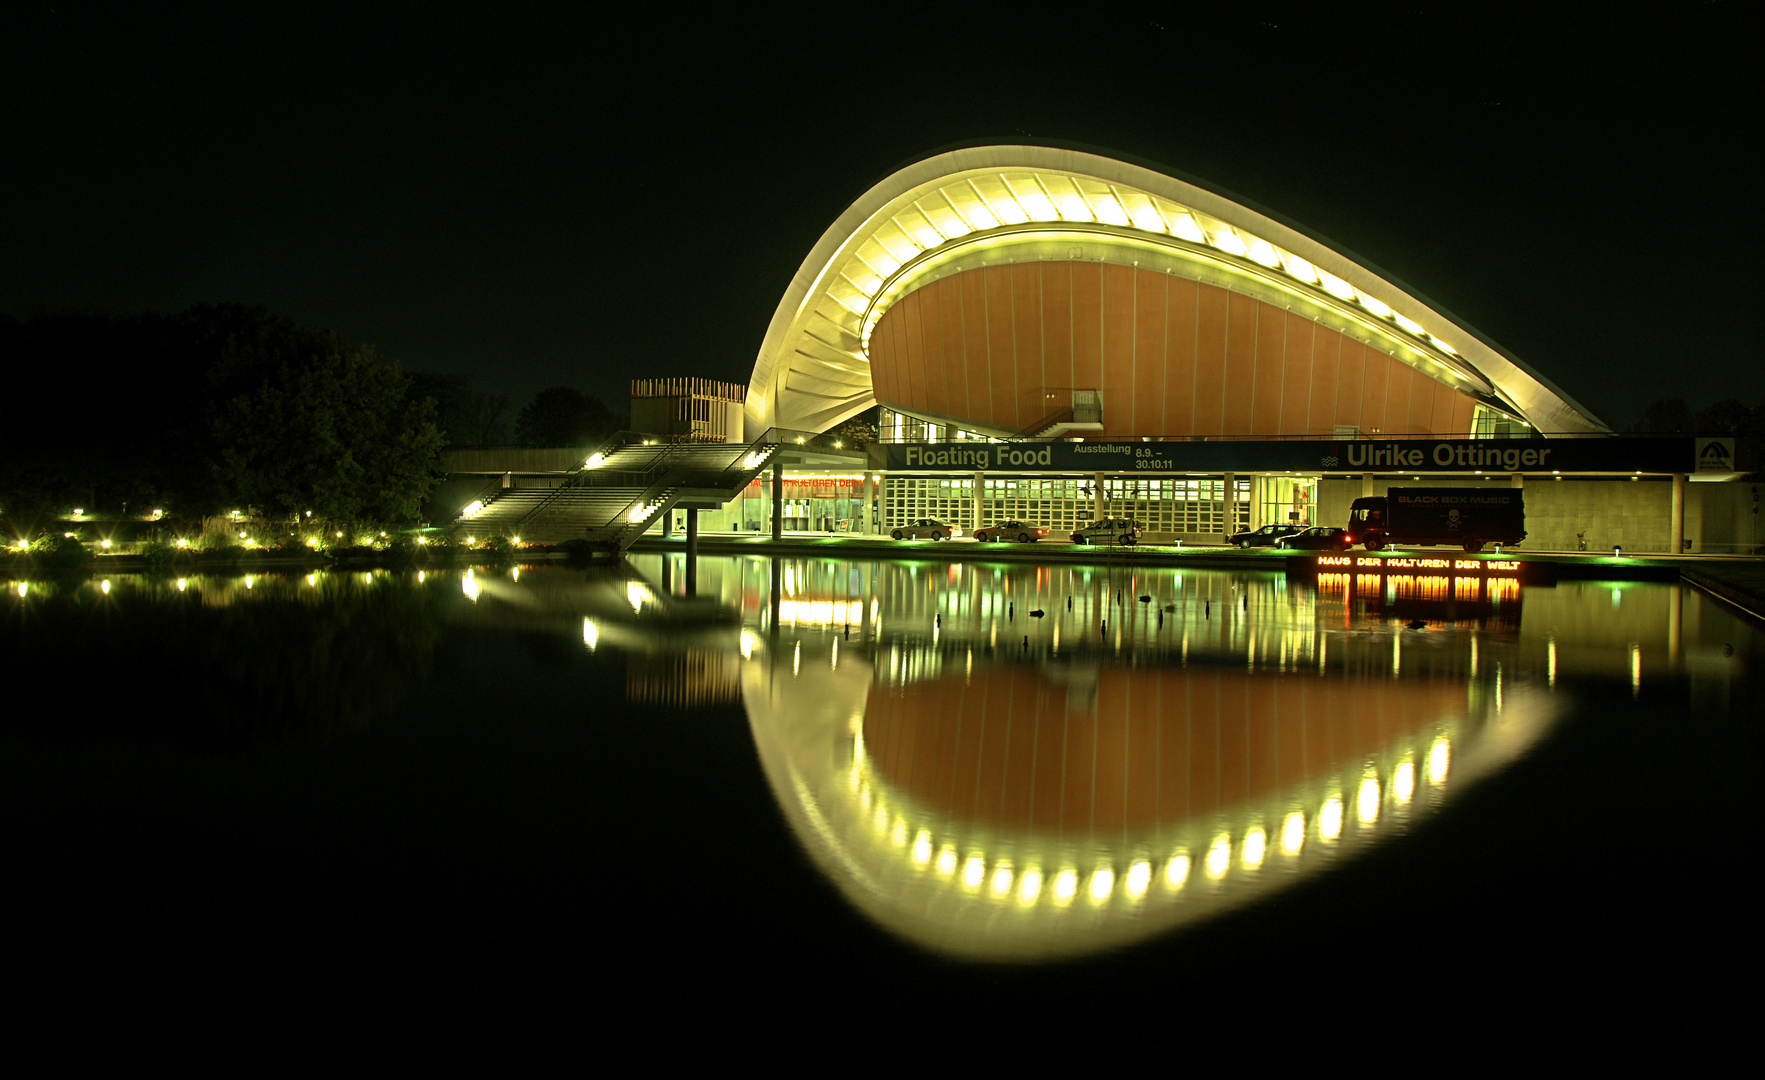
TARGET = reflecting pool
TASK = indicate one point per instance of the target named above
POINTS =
(898, 763)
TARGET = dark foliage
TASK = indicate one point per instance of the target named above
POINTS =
(562, 416)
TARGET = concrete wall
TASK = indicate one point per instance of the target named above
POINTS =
(1723, 517)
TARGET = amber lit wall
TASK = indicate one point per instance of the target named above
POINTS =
(1010, 749)
(1173, 357)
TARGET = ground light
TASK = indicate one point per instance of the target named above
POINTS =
(1617, 551)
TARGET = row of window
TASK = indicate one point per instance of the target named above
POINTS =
(1176, 506)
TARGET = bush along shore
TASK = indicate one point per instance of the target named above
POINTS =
(65, 554)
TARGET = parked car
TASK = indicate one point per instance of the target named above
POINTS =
(923, 529)
(1108, 531)
(1011, 529)
(1318, 538)
(1263, 537)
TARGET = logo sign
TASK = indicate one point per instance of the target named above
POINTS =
(1425, 564)
(1715, 455)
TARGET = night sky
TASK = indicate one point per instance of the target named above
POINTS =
(535, 199)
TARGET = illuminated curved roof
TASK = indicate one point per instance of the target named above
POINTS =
(813, 369)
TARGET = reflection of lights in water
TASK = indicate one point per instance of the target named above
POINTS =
(1552, 661)
(1256, 846)
(1029, 886)
(1330, 818)
(747, 645)
(182, 583)
(420, 576)
(1635, 669)
(973, 870)
(1176, 872)
(1138, 878)
(1438, 756)
(248, 581)
(834, 660)
(946, 864)
(1102, 884)
(1219, 856)
(1002, 879)
(1403, 782)
(1367, 801)
(24, 588)
(1396, 655)
(469, 586)
(634, 595)
(1066, 885)
(591, 634)
(880, 817)
(312, 579)
(797, 660)
(898, 834)
(104, 586)
(922, 848)
(1293, 833)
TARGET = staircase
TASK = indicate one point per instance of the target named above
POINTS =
(620, 490)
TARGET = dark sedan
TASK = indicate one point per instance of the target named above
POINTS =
(1319, 538)
(1263, 537)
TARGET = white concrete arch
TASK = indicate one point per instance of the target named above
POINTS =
(813, 370)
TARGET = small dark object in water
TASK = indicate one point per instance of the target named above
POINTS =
(1026, 641)
(1146, 599)
(1170, 607)
(1207, 609)
(1069, 603)
(938, 620)
(1038, 613)
(1011, 611)
(1416, 624)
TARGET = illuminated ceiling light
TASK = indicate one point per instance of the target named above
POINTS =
(1072, 208)
(1219, 857)
(1442, 346)
(973, 871)
(1263, 252)
(1176, 872)
(1335, 286)
(1403, 782)
(1366, 803)
(1029, 886)
(1330, 818)
(982, 218)
(1109, 210)
(1438, 760)
(104, 586)
(898, 834)
(1411, 325)
(922, 848)
(1293, 833)
(1146, 218)
(1298, 267)
(1102, 884)
(1228, 242)
(24, 587)
(1377, 307)
(1184, 226)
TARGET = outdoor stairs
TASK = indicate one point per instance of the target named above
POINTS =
(631, 481)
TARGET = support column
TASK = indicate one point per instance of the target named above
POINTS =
(667, 524)
(777, 499)
(882, 503)
(1366, 485)
(692, 552)
(1256, 507)
(980, 498)
(1229, 490)
(1676, 534)
(865, 528)
(1097, 497)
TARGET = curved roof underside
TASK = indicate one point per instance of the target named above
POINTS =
(952, 209)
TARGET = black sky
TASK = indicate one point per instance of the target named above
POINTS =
(534, 198)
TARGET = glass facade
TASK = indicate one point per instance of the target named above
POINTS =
(1164, 505)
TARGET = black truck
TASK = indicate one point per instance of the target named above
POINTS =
(1467, 517)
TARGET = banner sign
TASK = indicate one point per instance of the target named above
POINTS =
(1415, 456)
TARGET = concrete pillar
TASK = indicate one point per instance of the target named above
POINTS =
(1517, 479)
(1097, 497)
(1229, 490)
(692, 552)
(508, 481)
(1366, 485)
(1256, 506)
(980, 498)
(882, 503)
(1676, 534)
(777, 592)
(865, 528)
(667, 524)
(777, 499)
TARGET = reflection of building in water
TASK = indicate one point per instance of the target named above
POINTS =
(1133, 751)
(688, 678)
(1001, 812)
